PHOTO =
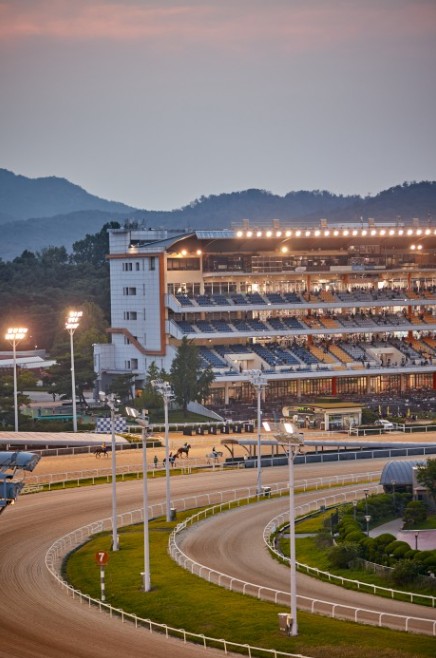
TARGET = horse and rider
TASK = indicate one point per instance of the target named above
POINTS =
(214, 455)
(101, 451)
(184, 450)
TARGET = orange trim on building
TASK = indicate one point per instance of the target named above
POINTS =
(135, 342)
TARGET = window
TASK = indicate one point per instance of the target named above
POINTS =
(152, 263)
(134, 364)
(130, 315)
(127, 364)
(137, 267)
(127, 267)
(183, 263)
(129, 291)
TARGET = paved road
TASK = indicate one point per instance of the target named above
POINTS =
(37, 620)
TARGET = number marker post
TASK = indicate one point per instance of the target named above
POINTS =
(102, 558)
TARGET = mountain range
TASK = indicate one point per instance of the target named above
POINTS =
(42, 212)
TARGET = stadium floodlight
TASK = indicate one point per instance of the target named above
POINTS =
(14, 335)
(71, 325)
(19, 459)
(9, 491)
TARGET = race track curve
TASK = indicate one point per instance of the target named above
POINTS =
(39, 620)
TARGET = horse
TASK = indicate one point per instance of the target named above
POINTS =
(214, 456)
(171, 459)
(184, 450)
(101, 451)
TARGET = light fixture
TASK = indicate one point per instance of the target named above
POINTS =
(71, 324)
(14, 335)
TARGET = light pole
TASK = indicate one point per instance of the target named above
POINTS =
(393, 496)
(366, 492)
(71, 325)
(354, 508)
(367, 519)
(14, 335)
(143, 422)
(293, 439)
(164, 389)
(111, 402)
(416, 540)
(260, 382)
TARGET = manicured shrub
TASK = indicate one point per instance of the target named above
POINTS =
(405, 572)
(342, 554)
(400, 551)
(415, 513)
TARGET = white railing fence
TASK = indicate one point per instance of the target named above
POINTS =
(314, 605)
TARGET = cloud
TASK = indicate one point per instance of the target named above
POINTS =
(287, 24)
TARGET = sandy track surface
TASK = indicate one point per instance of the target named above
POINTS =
(38, 620)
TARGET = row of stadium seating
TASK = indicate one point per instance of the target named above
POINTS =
(324, 354)
(358, 321)
(353, 295)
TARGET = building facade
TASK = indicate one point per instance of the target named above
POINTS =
(320, 310)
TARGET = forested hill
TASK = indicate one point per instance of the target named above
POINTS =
(23, 198)
(38, 213)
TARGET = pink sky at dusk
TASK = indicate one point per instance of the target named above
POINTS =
(277, 94)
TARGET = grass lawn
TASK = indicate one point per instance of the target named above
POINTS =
(185, 601)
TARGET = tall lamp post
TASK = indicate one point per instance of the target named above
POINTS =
(260, 382)
(143, 422)
(164, 389)
(293, 439)
(14, 335)
(112, 402)
(367, 519)
(71, 325)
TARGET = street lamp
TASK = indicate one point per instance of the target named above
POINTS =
(367, 519)
(366, 492)
(416, 540)
(260, 382)
(394, 502)
(14, 335)
(293, 439)
(354, 508)
(71, 325)
(143, 422)
(111, 402)
(164, 389)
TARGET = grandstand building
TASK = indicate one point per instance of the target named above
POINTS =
(321, 311)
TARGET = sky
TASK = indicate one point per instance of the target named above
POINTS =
(156, 103)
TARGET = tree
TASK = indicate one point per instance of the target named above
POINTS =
(189, 381)
(94, 248)
(426, 476)
(122, 387)
(150, 398)
(414, 513)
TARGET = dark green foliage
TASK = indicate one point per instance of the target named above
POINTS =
(426, 476)
(405, 572)
(343, 554)
(415, 512)
(189, 381)
(38, 289)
